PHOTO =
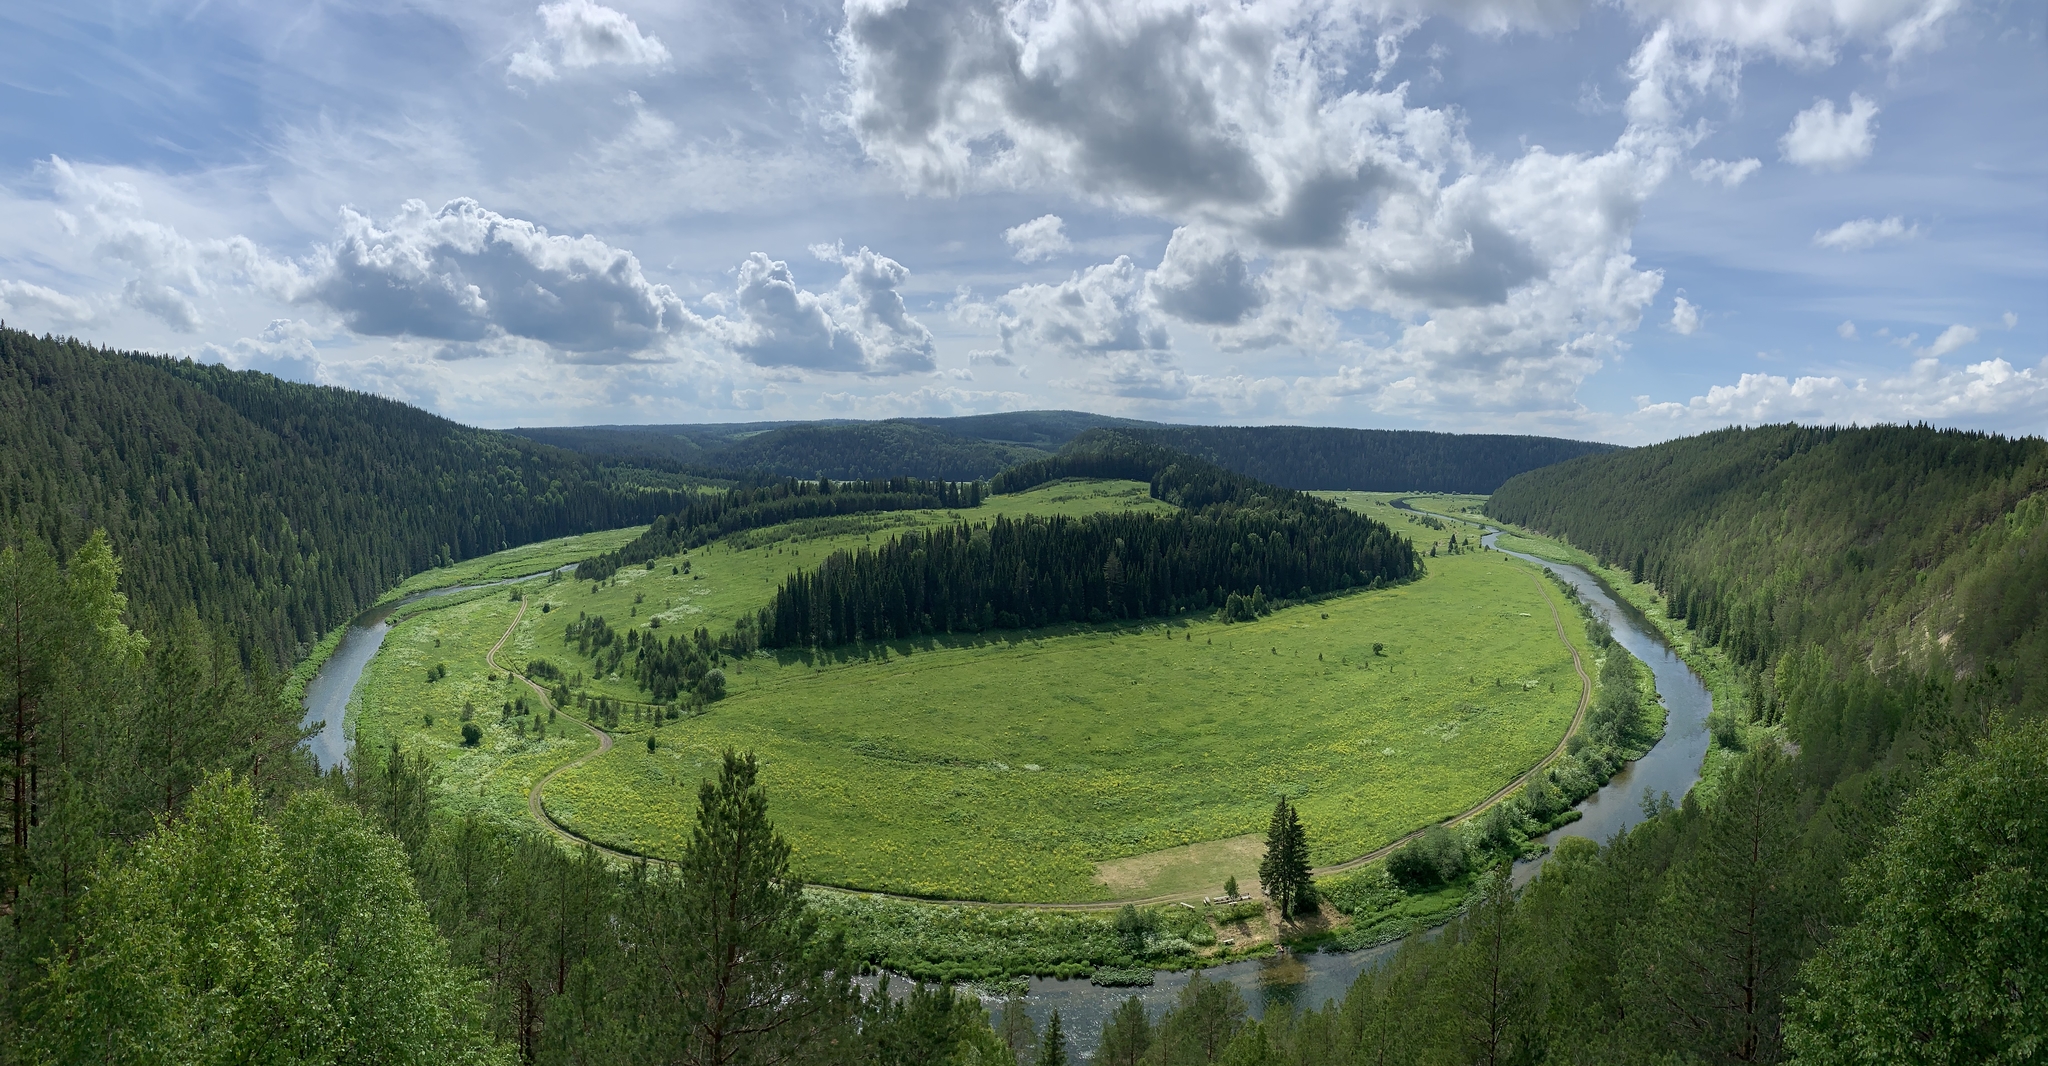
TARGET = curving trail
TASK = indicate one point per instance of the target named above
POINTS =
(604, 742)
(541, 816)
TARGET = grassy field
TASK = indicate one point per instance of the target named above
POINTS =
(1073, 764)
(394, 699)
(1008, 768)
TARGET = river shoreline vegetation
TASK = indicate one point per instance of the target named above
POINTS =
(1855, 879)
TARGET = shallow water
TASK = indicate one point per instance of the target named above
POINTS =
(327, 695)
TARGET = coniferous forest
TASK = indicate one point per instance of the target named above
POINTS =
(1233, 536)
(275, 509)
(1858, 880)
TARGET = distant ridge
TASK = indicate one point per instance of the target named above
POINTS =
(978, 446)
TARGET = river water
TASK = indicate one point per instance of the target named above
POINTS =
(327, 695)
(1290, 981)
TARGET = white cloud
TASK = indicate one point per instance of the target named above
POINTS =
(1041, 238)
(1232, 121)
(24, 297)
(1099, 310)
(1685, 317)
(1821, 138)
(166, 273)
(1928, 389)
(1951, 338)
(1861, 233)
(284, 348)
(1807, 31)
(1846, 331)
(2012, 321)
(1728, 173)
(580, 34)
(467, 274)
(860, 326)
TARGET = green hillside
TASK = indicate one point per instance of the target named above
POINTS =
(274, 509)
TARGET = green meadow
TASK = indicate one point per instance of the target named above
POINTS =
(1076, 764)
(1007, 767)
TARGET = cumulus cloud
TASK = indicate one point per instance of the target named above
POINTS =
(1929, 389)
(1205, 280)
(1727, 173)
(28, 298)
(1858, 234)
(1951, 338)
(1041, 238)
(284, 348)
(1821, 138)
(1234, 122)
(580, 34)
(1685, 317)
(467, 274)
(1846, 331)
(167, 272)
(1100, 310)
(860, 326)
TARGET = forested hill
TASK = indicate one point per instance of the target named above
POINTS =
(274, 509)
(1372, 460)
(1886, 544)
(975, 447)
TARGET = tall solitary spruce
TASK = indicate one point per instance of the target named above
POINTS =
(1284, 871)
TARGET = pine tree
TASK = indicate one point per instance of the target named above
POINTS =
(1126, 1035)
(733, 965)
(1284, 871)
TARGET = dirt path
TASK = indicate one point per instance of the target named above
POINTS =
(540, 813)
(604, 742)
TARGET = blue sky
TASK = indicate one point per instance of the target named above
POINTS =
(1623, 220)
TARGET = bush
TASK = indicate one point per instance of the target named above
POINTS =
(713, 685)
(472, 735)
(1434, 858)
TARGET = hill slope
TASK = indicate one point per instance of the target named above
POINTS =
(277, 509)
(1886, 545)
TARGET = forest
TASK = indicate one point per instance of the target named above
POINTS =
(1234, 537)
(1375, 460)
(274, 509)
(1042, 571)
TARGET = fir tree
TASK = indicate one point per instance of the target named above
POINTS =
(1284, 872)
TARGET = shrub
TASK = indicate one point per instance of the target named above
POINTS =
(1434, 858)
(472, 735)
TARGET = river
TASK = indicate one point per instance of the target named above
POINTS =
(1671, 767)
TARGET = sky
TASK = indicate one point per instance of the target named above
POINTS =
(1621, 220)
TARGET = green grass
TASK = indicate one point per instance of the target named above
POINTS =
(726, 580)
(1007, 767)
(516, 562)
(394, 700)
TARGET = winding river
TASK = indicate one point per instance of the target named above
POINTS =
(1288, 980)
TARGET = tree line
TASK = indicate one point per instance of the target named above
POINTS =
(273, 509)
(707, 516)
(1037, 571)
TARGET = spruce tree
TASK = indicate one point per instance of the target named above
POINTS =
(1284, 871)
(1052, 1047)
